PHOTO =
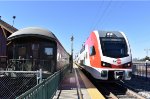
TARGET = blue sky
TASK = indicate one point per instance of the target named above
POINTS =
(79, 18)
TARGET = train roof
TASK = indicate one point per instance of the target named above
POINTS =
(104, 33)
(34, 31)
(37, 31)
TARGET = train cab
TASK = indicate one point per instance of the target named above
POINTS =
(106, 55)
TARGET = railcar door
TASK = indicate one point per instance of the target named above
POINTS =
(48, 56)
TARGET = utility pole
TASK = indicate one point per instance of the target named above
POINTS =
(71, 60)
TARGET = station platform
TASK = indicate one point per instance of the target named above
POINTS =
(76, 85)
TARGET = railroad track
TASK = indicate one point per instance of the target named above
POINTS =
(117, 91)
(114, 90)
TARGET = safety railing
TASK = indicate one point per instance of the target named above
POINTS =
(141, 69)
(47, 88)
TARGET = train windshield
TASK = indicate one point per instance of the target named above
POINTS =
(114, 47)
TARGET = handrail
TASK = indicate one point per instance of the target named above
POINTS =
(47, 88)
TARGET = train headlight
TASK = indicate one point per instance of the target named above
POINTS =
(127, 65)
(104, 64)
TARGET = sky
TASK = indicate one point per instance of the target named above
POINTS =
(79, 18)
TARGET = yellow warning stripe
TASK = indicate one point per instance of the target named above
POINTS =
(92, 90)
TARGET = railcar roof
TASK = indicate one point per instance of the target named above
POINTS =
(103, 33)
(32, 31)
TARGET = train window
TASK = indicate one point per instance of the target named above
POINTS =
(22, 51)
(114, 47)
(92, 51)
(35, 46)
(49, 51)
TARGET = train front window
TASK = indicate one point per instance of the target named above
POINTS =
(49, 51)
(22, 51)
(114, 47)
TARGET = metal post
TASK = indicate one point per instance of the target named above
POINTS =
(146, 71)
(40, 80)
(71, 64)
(39, 76)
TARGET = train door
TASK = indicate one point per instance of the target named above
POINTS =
(48, 57)
(87, 62)
(35, 49)
(94, 51)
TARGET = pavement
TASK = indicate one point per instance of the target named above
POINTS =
(76, 85)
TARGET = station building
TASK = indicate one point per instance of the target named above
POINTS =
(5, 30)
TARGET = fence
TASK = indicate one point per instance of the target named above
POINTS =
(46, 89)
(141, 69)
(14, 83)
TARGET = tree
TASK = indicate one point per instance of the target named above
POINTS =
(146, 58)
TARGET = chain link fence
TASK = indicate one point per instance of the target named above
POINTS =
(47, 88)
(14, 83)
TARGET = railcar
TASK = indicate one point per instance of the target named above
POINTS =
(36, 48)
(106, 55)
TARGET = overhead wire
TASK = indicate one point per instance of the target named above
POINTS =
(97, 14)
(101, 18)
(102, 14)
(108, 12)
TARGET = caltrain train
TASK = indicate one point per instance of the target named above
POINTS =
(106, 55)
(35, 48)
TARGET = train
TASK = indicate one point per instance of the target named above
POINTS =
(34, 48)
(106, 55)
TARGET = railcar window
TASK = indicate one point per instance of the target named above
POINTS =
(35, 50)
(35, 46)
(49, 51)
(22, 51)
(92, 51)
